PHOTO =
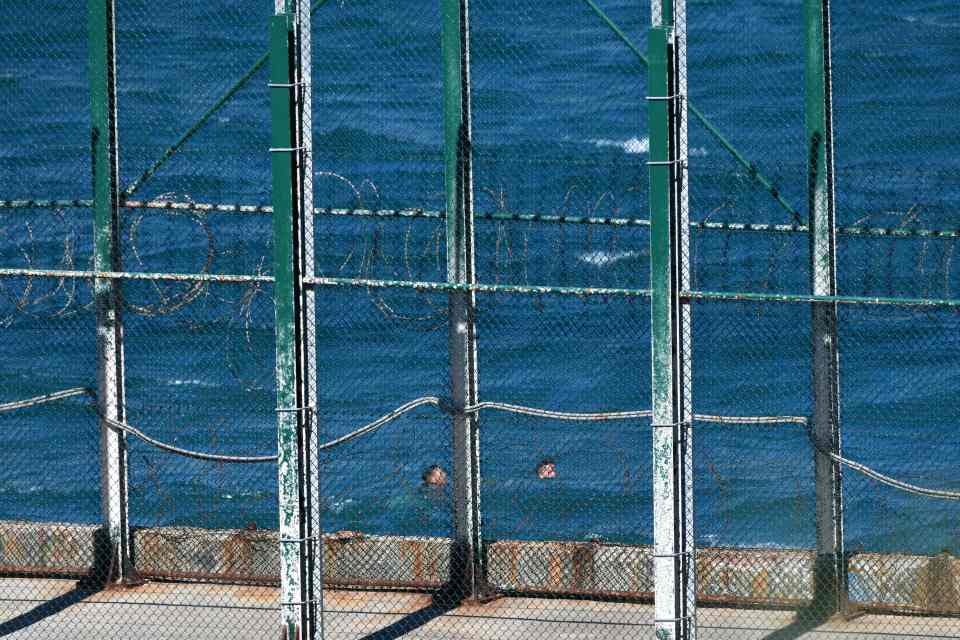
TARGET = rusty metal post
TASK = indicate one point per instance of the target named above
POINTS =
(462, 336)
(673, 555)
(106, 257)
(830, 579)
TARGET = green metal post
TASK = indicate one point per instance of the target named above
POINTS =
(830, 580)
(106, 257)
(468, 570)
(293, 414)
(673, 557)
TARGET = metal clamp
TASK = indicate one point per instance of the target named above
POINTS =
(292, 409)
(663, 162)
(670, 425)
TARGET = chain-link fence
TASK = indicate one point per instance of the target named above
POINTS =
(338, 318)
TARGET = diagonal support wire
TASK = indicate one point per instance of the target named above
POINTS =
(751, 167)
(209, 113)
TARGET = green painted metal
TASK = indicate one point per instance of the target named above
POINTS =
(218, 104)
(106, 257)
(752, 169)
(455, 137)
(830, 572)
(667, 584)
(285, 304)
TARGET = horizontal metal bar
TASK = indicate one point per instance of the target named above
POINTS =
(414, 212)
(293, 409)
(127, 275)
(284, 85)
(50, 397)
(297, 540)
(670, 425)
(479, 288)
(664, 97)
(285, 149)
(804, 298)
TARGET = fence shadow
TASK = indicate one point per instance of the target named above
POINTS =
(45, 610)
(806, 620)
(410, 622)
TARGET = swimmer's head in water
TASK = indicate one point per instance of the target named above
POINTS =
(434, 476)
(547, 469)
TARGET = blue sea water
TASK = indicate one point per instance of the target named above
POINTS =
(559, 127)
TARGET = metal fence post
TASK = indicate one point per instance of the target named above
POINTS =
(673, 555)
(467, 574)
(106, 257)
(294, 414)
(830, 580)
(314, 530)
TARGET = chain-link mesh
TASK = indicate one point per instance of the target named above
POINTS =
(820, 481)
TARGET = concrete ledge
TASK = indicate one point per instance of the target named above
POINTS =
(47, 548)
(928, 584)
(732, 576)
(243, 556)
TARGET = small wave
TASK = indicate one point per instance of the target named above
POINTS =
(931, 22)
(339, 505)
(177, 382)
(604, 258)
(633, 145)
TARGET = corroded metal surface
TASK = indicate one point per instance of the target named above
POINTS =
(887, 582)
(33, 548)
(726, 576)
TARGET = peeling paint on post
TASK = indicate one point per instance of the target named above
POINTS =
(287, 257)
(830, 580)
(673, 558)
(462, 338)
(307, 374)
(106, 228)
